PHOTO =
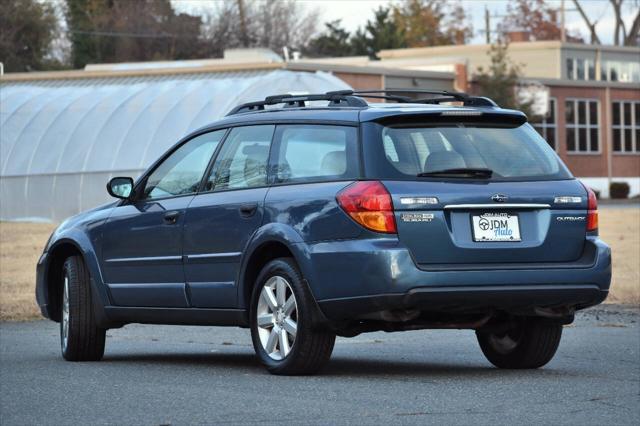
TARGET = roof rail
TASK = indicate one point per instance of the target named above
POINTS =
(338, 98)
(445, 96)
(354, 98)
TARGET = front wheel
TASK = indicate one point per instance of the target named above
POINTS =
(530, 344)
(80, 338)
(281, 322)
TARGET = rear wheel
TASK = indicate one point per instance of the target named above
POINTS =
(80, 338)
(531, 344)
(281, 325)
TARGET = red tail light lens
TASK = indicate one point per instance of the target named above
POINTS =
(369, 204)
(592, 210)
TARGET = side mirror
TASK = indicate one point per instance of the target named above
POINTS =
(120, 187)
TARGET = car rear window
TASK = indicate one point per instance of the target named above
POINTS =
(512, 153)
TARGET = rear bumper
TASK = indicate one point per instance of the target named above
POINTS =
(523, 299)
(351, 278)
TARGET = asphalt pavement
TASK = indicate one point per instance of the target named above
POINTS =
(161, 375)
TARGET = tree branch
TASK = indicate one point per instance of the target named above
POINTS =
(592, 27)
(632, 35)
(619, 23)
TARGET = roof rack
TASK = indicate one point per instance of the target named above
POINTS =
(340, 98)
(354, 98)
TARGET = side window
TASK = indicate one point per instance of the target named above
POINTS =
(316, 153)
(242, 161)
(182, 171)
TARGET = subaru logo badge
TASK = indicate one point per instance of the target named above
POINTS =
(499, 198)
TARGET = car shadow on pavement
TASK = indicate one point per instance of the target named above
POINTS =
(371, 368)
(203, 360)
(337, 367)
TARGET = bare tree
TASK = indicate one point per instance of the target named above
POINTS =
(242, 20)
(272, 24)
(220, 28)
(281, 23)
(632, 37)
(620, 35)
(617, 9)
(591, 25)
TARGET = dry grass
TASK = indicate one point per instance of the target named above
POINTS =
(20, 247)
(22, 243)
(620, 228)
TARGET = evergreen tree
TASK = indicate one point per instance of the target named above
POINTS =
(383, 32)
(361, 44)
(27, 28)
(377, 34)
(124, 30)
(334, 41)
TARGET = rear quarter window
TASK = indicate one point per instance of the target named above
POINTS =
(511, 152)
(307, 153)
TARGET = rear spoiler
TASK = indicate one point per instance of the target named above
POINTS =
(449, 116)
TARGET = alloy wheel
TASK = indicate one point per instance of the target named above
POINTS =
(277, 317)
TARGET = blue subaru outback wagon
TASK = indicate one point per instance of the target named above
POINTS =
(303, 217)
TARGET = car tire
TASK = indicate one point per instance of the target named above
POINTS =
(531, 344)
(282, 331)
(80, 338)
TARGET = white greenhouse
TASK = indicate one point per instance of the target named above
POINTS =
(62, 139)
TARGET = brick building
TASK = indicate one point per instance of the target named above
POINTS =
(593, 119)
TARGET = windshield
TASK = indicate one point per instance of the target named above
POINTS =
(508, 153)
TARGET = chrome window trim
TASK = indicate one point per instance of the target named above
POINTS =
(496, 206)
(213, 255)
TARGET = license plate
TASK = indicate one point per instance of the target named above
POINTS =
(496, 227)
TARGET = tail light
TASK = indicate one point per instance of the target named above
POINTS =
(592, 210)
(369, 204)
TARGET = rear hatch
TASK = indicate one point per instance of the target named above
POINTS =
(466, 226)
(472, 192)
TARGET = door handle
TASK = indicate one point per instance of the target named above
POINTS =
(171, 217)
(248, 210)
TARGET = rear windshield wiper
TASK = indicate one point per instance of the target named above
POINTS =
(459, 172)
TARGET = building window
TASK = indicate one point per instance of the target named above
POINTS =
(571, 75)
(581, 69)
(623, 71)
(590, 70)
(547, 125)
(582, 125)
(625, 126)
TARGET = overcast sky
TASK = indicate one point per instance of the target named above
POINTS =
(355, 13)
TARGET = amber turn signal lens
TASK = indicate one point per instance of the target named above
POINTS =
(369, 204)
(592, 210)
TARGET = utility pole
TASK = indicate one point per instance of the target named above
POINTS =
(563, 31)
(487, 25)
